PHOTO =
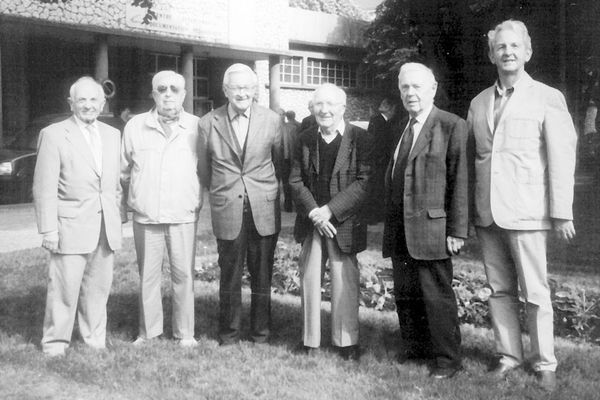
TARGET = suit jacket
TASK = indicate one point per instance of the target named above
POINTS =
(348, 186)
(524, 170)
(221, 169)
(69, 195)
(435, 188)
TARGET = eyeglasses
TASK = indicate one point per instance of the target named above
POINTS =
(162, 89)
(239, 89)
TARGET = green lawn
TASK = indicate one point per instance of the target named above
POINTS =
(162, 370)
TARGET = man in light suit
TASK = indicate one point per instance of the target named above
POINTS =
(239, 152)
(77, 194)
(329, 184)
(426, 222)
(159, 175)
(524, 171)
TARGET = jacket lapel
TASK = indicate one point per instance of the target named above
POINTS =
(345, 149)
(221, 126)
(75, 136)
(425, 135)
(313, 149)
(489, 108)
(514, 99)
(254, 129)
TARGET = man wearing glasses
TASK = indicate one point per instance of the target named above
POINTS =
(159, 176)
(239, 148)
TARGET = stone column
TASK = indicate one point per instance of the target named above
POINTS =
(274, 84)
(187, 70)
(101, 67)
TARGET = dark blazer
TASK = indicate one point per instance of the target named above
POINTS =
(435, 188)
(222, 170)
(348, 187)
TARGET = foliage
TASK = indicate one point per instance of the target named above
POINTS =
(147, 4)
(577, 313)
(344, 8)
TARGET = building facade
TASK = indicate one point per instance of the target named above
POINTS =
(46, 44)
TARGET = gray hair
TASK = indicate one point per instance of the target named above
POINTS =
(335, 89)
(512, 25)
(167, 74)
(81, 80)
(413, 66)
(239, 67)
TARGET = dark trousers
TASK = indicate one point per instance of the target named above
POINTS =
(257, 251)
(286, 169)
(427, 310)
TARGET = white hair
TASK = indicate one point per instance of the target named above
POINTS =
(339, 92)
(84, 79)
(413, 66)
(236, 68)
(167, 74)
(512, 25)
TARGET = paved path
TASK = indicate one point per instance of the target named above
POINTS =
(18, 230)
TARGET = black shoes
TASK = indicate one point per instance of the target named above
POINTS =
(305, 350)
(350, 353)
(445, 372)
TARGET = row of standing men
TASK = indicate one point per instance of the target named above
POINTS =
(518, 139)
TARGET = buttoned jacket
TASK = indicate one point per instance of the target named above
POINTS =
(524, 168)
(70, 195)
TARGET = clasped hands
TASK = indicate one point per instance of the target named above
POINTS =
(320, 218)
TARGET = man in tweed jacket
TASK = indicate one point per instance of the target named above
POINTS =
(426, 221)
(328, 180)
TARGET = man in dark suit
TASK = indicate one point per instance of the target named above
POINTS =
(380, 132)
(310, 120)
(289, 133)
(239, 149)
(329, 179)
(426, 221)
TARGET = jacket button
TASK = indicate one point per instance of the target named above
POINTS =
(240, 196)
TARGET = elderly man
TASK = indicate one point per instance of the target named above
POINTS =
(159, 173)
(524, 171)
(426, 222)
(76, 194)
(239, 151)
(329, 179)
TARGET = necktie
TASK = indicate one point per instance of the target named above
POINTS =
(95, 146)
(401, 161)
(240, 129)
(500, 103)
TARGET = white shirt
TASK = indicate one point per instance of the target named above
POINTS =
(339, 129)
(419, 121)
(95, 144)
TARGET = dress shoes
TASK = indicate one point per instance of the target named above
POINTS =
(445, 372)
(350, 353)
(502, 370)
(546, 380)
(405, 356)
(305, 350)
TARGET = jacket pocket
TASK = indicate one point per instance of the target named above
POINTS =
(436, 213)
(68, 212)
(218, 200)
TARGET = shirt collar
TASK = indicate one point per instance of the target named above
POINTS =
(83, 126)
(421, 118)
(505, 91)
(231, 113)
(341, 127)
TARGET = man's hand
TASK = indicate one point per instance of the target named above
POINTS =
(454, 244)
(564, 229)
(320, 219)
(50, 241)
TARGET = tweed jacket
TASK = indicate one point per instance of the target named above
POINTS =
(435, 188)
(70, 196)
(228, 175)
(348, 186)
(524, 169)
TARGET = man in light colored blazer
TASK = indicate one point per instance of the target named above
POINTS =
(426, 222)
(77, 194)
(330, 171)
(524, 163)
(239, 151)
(159, 175)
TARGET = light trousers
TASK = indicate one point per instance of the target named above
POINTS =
(87, 277)
(180, 240)
(345, 277)
(517, 260)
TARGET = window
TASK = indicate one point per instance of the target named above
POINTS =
(160, 62)
(291, 70)
(322, 71)
(201, 87)
(366, 80)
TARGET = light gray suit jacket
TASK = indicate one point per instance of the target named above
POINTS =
(228, 175)
(524, 169)
(69, 194)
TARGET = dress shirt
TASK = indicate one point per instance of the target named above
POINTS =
(161, 169)
(240, 123)
(501, 98)
(419, 121)
(92, 137)
(339, 130)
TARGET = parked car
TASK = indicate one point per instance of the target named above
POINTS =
(17, 159)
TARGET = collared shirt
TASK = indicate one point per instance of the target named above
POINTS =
(420, 120)
(339, 130)
(502, 95)
(161, 169)
(94, 144)
(240, 123)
